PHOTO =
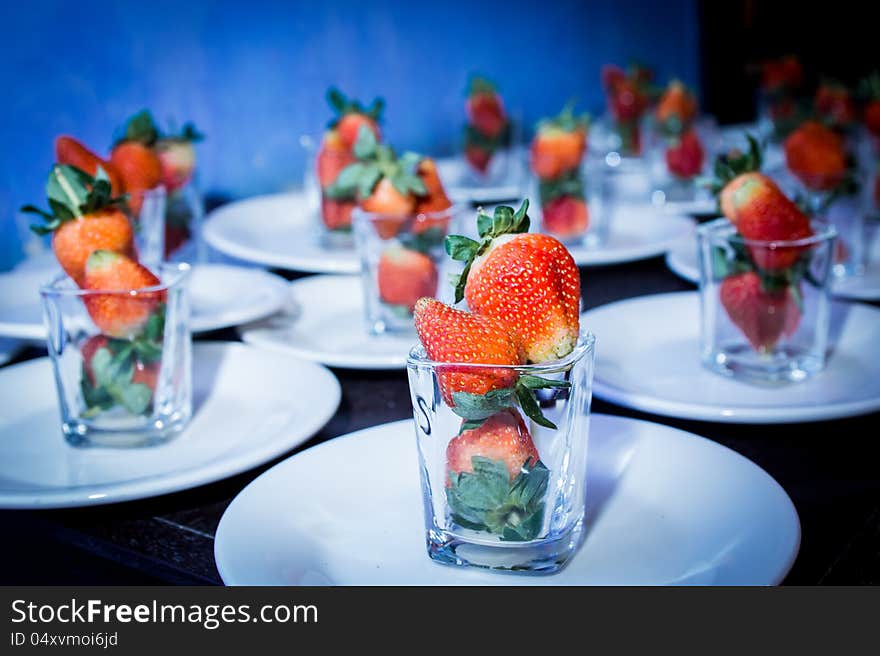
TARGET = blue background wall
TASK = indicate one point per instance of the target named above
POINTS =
(252, 75)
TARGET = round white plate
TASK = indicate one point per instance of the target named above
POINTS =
(324, 321)
(349, 512)
(220, 296)
(682, 260)
(454, 173)
(236, 425)
(636, 232)
(648, 358)
(698, 207)
(279, 230)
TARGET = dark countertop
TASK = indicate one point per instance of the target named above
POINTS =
(829, 469)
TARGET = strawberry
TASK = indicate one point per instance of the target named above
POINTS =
(351, 117)
(405, 276)
(784, 74)
(559, 144)
(677, 107)
(70, 151)
(871, 117)
(684, 159)
(816, 155)
(495, 481)
(484, 108)
(177, 162)
(435, 200)
(454, 336)
(502, 437)
(759, 209)
(565, 216)
(336, 214)
(88, 350)
(478, 157)
(869, 92)
(388, 200)
(333, 156)
(528, 281)
(84, 218)
(835, 104)
(137, 164)
(626, 92)
(119, 315)
(763, 316)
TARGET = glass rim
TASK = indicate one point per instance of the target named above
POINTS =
(52, 288)
(586, 344)
(452, 210)
(711, 231)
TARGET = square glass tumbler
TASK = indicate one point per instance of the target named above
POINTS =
(574, 207)
(148, 221)
(402, 259)
(122, 360)
(764, 305)
(501, 491)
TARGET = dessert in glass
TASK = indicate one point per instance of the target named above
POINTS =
(501, 398)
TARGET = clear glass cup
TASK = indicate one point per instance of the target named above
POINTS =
(575, 209)
(505, 164)
(520, 508)
(402, 259)
(333, 220)
(184, 219)
(121, 385)
(764, 305)
(676, 166)
(148, 221)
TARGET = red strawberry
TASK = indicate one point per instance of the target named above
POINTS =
(556, 150)
(612, 76)
(332, 158)
(816, 155)
(835, 104)
(685, 158)
(454, 336)
(140, 169)
(676, 104)
(485, 110)
(503, 436)
(478, 157)
(405, 276)
(175, 237)
(70, 151)
(119, 315)
(762, 316)
(146, 373)
(177, 162)
(352, 116)
(761, 212)
(75, 240)
(529, 282)
(781, 75)
(565, 217)
(336, 214)
(386, 199)
(436, 199)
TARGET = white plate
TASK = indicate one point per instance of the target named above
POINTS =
(648, 358)
(664, 507)
(278, 230)
(682, 260)
(236, 425)
(698, 207)
(454, 173)
(220, 295)
(324, 322)
(636, 232)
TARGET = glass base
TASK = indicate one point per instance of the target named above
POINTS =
(781, 366)
(536, 557)
(158, 430)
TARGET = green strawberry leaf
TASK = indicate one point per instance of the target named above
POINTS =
(525, 395)
(479, 407)
(477, 84)
(460, 248)
(141, 127)
(536, 382)
(191, 133)
(486, 500)
(366, 144)
(568, 185)
(369, 178)
(136, 398)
